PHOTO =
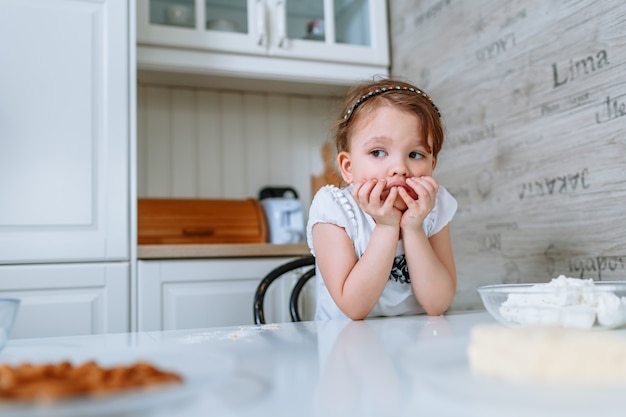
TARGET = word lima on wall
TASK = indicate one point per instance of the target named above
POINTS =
(578, 68)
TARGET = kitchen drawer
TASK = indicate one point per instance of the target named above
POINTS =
(185, 294)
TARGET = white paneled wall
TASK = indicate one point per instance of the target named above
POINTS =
(203, 143)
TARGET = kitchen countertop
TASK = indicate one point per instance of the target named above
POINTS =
(221, 250)
(400, 366)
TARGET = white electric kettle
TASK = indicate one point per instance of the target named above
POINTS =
(284, 214)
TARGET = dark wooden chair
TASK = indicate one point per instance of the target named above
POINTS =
(284, 270)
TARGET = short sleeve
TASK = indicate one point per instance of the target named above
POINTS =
(330, 205)
(442, 214)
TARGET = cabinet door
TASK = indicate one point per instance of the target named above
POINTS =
(64, 130)
(185, 294)
(217, 25)
(348, 31)
(68, 299)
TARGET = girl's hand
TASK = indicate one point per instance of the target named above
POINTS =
(368, 193)
(417, 210)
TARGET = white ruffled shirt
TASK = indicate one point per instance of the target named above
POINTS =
(337, 206)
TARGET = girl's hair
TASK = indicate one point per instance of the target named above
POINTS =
(365, 98)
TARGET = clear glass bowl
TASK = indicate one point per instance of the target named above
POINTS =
(601, 305)
(8, 312)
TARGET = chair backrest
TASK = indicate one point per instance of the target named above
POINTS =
(284, 270)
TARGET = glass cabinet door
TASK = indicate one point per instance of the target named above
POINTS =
(331, 30)
(220, 15)
(177, 13)
(227, 15)
(305, 19)
(211, 25)
(350, 21)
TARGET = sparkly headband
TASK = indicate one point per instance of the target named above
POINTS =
(385, 89)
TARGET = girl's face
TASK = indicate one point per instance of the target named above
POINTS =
(387, 144)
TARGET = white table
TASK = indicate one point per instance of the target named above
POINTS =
(402, 366)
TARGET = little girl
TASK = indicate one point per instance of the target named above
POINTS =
(382, 243)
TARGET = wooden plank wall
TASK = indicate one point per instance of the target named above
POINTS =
(204, 143)
(533, 96)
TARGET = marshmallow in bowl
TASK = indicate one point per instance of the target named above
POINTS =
(578, 305)
(611, 310)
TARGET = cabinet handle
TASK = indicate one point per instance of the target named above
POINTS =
(261, 22)
(198, 231)
(281, 13)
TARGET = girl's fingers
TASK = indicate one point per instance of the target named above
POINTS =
(391, 198)
(427, 182)
(357, 187)
(408, 198)
(362, 190)
(368, 193)
(423, 186)
(377, 190)
(426, 194)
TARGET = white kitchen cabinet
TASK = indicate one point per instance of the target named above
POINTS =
(322, 41)
(64, 131)
(66, 87)
(68, 299)
(186, 293)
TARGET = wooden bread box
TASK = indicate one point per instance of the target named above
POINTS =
(198, 221)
